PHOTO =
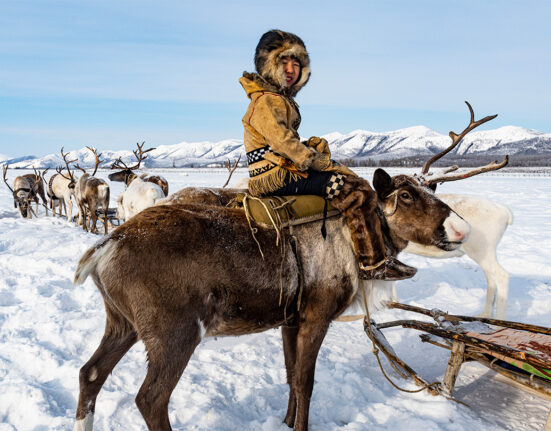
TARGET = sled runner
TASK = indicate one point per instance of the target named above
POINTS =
(518, 351)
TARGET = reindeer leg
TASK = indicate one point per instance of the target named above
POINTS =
(70, 213)
(311, 333)
(168, 352)
(62, 207)
(497, 280)
(82, 210)
(94, 219)
(114, 345)
(105, 210)
(289, 335)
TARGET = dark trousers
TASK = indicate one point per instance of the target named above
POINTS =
(356, 200)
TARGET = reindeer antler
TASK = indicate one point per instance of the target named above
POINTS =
(444, 177)
(4, 171)
(231, 169)
(67, 163)
(456, 139)
(139, 153)
(98, 161)
(39, 178)
(119, 164)
(494, 166)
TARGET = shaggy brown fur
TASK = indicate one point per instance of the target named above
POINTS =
(196, 195)
(176, 271)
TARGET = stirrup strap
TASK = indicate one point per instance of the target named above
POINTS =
(370, 267)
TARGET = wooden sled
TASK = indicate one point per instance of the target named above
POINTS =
(518, 351)
(112, 220)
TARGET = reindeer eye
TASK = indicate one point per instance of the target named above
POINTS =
(405, 196)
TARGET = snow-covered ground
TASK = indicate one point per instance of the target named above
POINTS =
(49, 328)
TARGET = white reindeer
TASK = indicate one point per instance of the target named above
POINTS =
(61, 188)
(488, 222)
(138, 196)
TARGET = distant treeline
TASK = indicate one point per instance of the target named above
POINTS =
(531, 160)
(518, 160)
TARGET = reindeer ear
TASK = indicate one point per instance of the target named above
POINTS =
(382, 182)
(432, 186)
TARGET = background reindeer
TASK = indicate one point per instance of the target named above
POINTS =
(28, 188)
(138, 196)
(90, 193)
(61, 188)
(127, 174)
(176, 273)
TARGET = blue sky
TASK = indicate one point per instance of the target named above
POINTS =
(112, 73)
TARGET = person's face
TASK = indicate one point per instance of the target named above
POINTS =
(291, 69)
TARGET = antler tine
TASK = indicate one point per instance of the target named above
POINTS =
(4, 171)
(119, 164)
(79, 168)
(139, 153)
(450, 169)
(39, 178)
(456, 139)
(98, 161)
(67, 163)
(40, 175)
(494, 166)
(231, 169)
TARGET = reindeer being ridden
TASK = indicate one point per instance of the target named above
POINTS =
(27, 188)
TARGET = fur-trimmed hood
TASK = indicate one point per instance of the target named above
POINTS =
(272, 47)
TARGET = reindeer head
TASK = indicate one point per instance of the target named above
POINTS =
(413, 213)
(72, 180)
(126, 174)
(22, 197)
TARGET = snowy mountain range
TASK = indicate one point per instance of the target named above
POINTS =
(359, 144)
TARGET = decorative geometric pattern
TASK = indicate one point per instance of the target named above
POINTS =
(334, 186)
(261, 170)
(256, 155)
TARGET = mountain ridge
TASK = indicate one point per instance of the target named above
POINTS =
(416, 141)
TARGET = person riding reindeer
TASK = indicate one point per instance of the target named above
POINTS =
(280, 164)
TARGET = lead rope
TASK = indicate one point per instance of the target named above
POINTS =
(431, 387)
(253, 230)
(395, 194)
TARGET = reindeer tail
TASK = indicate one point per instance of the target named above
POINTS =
(89, 261)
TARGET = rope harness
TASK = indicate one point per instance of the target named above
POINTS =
(395, 194)
(277, 224)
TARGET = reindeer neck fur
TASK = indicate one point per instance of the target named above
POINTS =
(129, 177)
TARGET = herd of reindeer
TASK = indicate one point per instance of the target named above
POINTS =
(201, 265)
(91, 194)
